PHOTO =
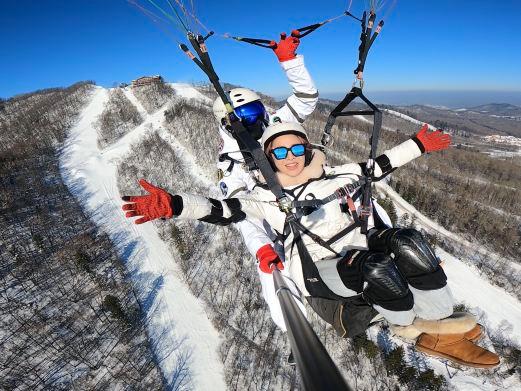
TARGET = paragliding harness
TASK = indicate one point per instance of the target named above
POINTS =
(307, 348)
(313, 282)
(252, 150)
(255, 156)
(367, 41)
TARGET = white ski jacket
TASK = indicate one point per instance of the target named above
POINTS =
(316, 181)
(235, 179)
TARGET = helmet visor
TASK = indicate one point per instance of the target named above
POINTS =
(251, 112)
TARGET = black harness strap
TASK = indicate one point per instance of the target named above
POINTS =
(259, 157)
(349, 207)
(312, 280)
(357, 194)
(343, 233)
(341, 192)
(232, 161)
(366, 41)
(295, 114)
(317, 239)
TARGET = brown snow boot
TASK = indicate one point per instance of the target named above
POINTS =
(457, 323)
(474, 334)
(457, 348)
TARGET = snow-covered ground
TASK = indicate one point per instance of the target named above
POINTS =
(508, 140)
(177, 323)
(181, 332)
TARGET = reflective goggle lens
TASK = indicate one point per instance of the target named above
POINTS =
(251, 112)
(282, 152)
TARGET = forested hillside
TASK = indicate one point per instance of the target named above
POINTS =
(68, 316)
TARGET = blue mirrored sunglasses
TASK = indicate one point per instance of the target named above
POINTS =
(282, 152)
(251, 112)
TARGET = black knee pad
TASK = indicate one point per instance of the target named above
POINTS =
(385, 285)
(412, 253)
(416, 260)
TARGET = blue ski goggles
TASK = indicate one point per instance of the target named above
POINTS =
(251, 112)
(281, 153)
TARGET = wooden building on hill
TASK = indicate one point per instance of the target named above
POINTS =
(145, 80)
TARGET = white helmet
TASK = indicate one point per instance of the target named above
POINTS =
(238, 97)
(280, 128)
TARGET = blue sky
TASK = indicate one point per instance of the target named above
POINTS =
(424, 46)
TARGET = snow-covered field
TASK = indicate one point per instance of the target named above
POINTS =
(178, 326)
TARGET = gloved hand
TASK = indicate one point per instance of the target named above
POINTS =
(268, 259)
(285, 49)
(152, 206)
(431, 141)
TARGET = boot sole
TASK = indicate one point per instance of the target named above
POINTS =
(435, 353)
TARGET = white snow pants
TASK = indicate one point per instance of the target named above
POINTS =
(431, 305)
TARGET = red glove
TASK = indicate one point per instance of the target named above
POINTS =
(153, 206)
(431, 141)
(267, 257)
(285, 49)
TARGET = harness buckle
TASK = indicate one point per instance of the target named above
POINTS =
(359, 80)
(285, 204)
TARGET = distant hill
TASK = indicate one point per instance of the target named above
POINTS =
(501, 109)
(490, 119)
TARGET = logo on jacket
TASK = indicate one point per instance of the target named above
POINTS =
(224, 188)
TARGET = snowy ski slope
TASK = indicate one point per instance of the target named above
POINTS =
(178, 325)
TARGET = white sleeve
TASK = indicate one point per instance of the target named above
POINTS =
(254, 235)
(237, 182)
(403, 153)
(305, 95)
(392, 158)
(225, 212)
(233, 180)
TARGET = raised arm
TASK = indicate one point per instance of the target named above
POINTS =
(423, 142)
(305, 95)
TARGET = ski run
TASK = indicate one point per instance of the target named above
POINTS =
(179, 328)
